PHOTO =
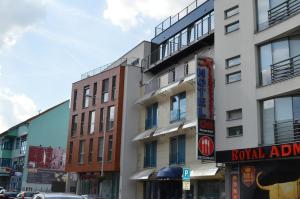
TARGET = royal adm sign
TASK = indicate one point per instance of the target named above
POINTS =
(205, 109)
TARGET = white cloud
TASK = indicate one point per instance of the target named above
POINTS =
(14, 108)
(129, 13)
(18, 18)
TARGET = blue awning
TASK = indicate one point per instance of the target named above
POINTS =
(169, 173)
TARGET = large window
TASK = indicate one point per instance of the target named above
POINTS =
(150, 154)
(81, 152)
(86, 96)
(151, 117)
(178, 107)
(82, 124)
(90, 157)
(114, 87)
(105, 87)
(177, 150)
(110, 148)
(74, 99)
(91, 122)
(94, 93)
(7, 144)
(100, 149)
(110, 118)
(281, 120)
(17, 143)
(211, 189)
(280, 60)
(70, 153)
(23, 145)
(74, 125)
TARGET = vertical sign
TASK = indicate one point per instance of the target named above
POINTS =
(205, 109)
(234, 186)
(186, 177)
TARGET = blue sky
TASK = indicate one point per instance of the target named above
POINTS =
(45, 45)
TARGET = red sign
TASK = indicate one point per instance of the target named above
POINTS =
(206, 146)
(260, 153)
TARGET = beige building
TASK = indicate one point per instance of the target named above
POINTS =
(257, 101)
(167, 138)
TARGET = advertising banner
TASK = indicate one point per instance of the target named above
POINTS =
(269, 180)
(205, 109)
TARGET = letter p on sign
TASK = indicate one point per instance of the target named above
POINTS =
(186, 174)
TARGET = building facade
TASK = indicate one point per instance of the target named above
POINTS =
(33, 152)
(257, 97)
(167, 137)
(96, 126)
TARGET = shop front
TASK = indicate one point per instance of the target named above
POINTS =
(270, 172)
(207, 181)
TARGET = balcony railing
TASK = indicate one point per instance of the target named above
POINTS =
(285, 69)
(173, 19)
(283, 11)
(153, 85)
(286, 131)
(198, 31)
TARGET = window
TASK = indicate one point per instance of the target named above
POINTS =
(94, 93)
(177, 150)
(82, 124)
(70, 152)
(231, 11)
(86, 96)
(184, 38)
(233, 61)
(178, 107)
(7, 144)
(151, 117)
(74, 99)
(114, 87)
(5, 162)
(186, 69)
(110, 118)
(105, 87)
(282, 55)
(150, 154)
(232, 27)
(100, 149)
(74, 125)
(81, 152)
(171, 76)
(17, 143)
(233, 77)
(23, 145)
(90, 158)
(191, 34)
(91, 122)
(101, 125)
(234, 114)
(235, 131)
(110, 147)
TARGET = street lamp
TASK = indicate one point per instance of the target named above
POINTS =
(102, 161)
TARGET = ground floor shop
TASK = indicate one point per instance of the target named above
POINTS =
(207, 182)
(267, 172)
(94, 184)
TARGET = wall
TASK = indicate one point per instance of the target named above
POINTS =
(48, 129)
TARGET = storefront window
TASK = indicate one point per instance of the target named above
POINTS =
(210, 189)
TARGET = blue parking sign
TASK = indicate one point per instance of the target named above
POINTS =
(186, 174)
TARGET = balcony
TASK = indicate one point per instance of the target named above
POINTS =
(286, 131)
(283, 11)
(285, 69)
(184, 42)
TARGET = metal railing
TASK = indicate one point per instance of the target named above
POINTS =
(152, 85)
(173, 19)
(283, 11)
(286, 131)
(179, 42)
(285, 69)
(95, 71)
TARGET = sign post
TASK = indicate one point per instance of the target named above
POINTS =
(186, 177)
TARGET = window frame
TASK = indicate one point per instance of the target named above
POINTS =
(110, 123)
(171, 151)
(231, 9)
(151, 160)
(233, 73)
(86, 93)
(235, 127)
(104, 92)
(234, 110)
(231, 24)
(81, 151)
(100, 149)
(110, 148)
(181, 96)
(232, 58)
(90, 156)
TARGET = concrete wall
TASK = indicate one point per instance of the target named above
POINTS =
(49, 129)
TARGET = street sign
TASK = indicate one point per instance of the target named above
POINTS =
(186, 174)
(186, 185)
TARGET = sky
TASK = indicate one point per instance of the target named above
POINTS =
(45, 45)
